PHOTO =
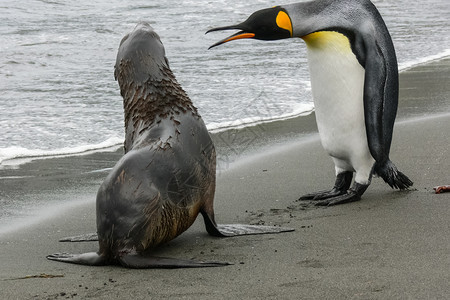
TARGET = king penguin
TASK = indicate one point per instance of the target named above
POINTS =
(354, 80)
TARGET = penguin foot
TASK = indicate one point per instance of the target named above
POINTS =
(352, 195)
(323, 195)
(343, 181)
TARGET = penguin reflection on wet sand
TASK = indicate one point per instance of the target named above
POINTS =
(168, 173)
(354, 80)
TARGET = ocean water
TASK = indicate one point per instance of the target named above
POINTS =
(57, 89)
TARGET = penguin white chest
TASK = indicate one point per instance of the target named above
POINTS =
(337, 81)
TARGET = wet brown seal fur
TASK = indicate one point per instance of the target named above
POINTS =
(167, 175)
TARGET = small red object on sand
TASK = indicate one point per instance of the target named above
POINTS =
(441, 189)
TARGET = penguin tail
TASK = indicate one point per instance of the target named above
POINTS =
(392, 176)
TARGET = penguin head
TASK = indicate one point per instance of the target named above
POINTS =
(266, 24)
(141, 56)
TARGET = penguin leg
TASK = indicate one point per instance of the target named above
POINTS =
(229, 230)
(341, 185)
(352, 195)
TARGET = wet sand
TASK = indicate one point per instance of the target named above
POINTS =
(389, 245)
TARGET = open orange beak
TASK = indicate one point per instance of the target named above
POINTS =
(237, 36)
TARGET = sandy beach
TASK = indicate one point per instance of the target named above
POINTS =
(389, 245)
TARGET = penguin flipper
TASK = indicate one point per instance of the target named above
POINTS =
(380, 97)
(380, 108)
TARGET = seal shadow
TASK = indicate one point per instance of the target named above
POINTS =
(167, 175)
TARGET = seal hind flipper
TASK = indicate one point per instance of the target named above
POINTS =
(229, 230)
(137, 261)
(88, 237)
(89, 258)
(134, 261)
(244, 229)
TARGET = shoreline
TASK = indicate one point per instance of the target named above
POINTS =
(237, 125)
(391, 244)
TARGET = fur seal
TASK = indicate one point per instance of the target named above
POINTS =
(168, 173)
(354, 81)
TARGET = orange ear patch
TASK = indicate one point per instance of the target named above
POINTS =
(283, 21)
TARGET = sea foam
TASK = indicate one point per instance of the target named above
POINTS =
(423, 60)
(299, 109)
(14, 155)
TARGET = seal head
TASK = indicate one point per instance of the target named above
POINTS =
(141, 56)
(148, 86)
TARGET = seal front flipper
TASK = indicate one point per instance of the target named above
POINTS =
(137, 261)
(229, 230)
(88, 237)
(90, 258)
